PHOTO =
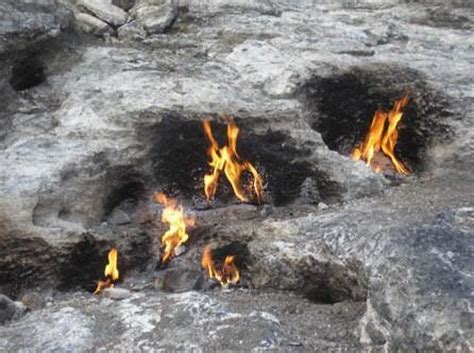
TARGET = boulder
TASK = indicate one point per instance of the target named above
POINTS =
(105, 11)
(154, 16)
(9, 309)
(90, 24)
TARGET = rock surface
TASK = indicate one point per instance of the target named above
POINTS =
(387, 266)
(192, 320)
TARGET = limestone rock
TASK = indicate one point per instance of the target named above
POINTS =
(90, 24)
(24, 23)
(105, 11)
(131, 31)
(154, 16)
(124, 4)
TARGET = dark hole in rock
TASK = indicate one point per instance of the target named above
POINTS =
(341, 108)
(124, 188)
(333, 284)
(240, 252)
(179, 161)
(84, 266)
(27, 72)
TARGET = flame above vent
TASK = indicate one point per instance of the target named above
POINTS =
(383, 135)
(111, 272)
(176, 235)
(226, 160)
(226, 274)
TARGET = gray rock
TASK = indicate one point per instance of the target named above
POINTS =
(105, 11)
(131, 31)
(154, 321)
(180, 280)
(25, 23)
(124, 4)
(119, 217)
(90, 24)
(116, 293)
(154, 17)
(9, 309)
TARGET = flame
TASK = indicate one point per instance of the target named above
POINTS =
(383, 134)
(173, 215)
(228, 274)
(111, 272)
(226, 159)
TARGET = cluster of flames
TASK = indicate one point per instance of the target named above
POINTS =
(382, 136)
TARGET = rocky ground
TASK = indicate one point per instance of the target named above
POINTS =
(101, 105)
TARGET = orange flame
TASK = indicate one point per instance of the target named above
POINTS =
(173, 215)
(228, 274)
(383, 134)
(111, 272)
(227, 160)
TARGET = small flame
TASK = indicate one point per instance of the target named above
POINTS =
(111, 273)
(173, 215)
(227, 160)
(228, 274)
(383, 134)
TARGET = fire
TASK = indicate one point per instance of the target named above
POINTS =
(111, 272)
(383, 134)
(226, 160)
(226, 275)
(173, 214)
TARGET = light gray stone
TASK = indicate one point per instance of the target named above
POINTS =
(105, 11)
(155, 18)
(90, 24)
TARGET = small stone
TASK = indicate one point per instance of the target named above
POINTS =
(116, 293)
(119, 217)
(105, 11)
(322, 206)
(9, 309)
(155, 18)
(90, 24)
(131, 31)
(180, 280)
(33, 301)
(180, 250)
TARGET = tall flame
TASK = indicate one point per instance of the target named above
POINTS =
(226, 275)
(226, 160)
(383, 134)
(173, 215)
(111, 272)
